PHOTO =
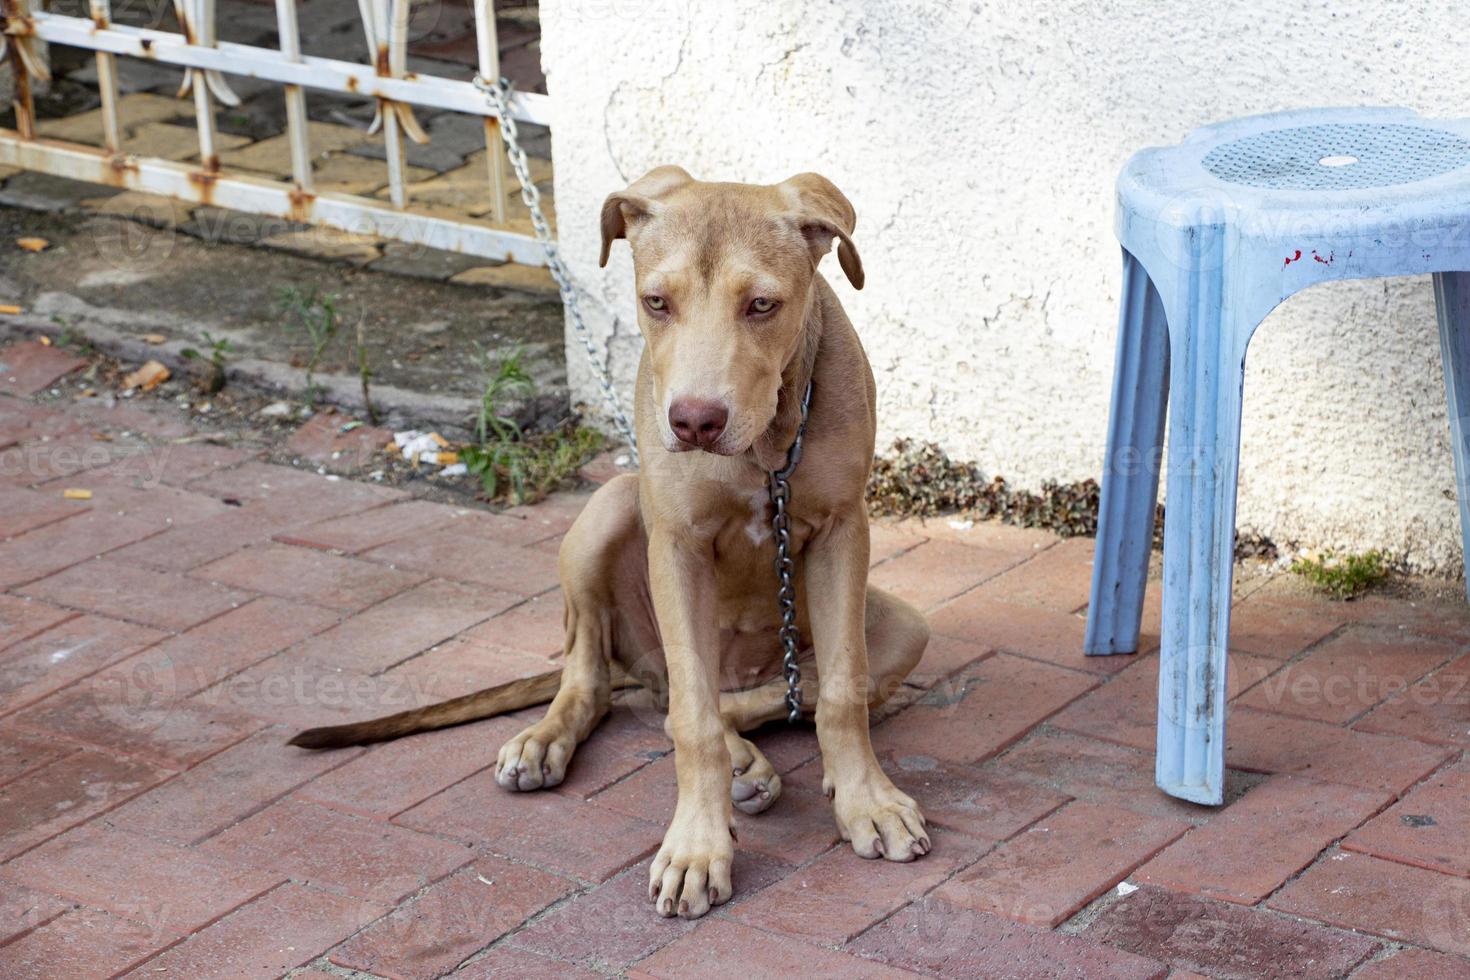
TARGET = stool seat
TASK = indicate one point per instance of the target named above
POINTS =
(1216, 231)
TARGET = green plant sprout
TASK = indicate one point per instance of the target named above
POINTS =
(314, 314)
(214, 362)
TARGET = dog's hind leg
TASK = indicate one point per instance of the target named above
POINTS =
(754, 782)
(599, 540)
(896, 634)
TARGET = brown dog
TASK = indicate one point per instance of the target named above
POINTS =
(668, 575)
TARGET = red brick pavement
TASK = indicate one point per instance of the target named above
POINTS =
(159, 643)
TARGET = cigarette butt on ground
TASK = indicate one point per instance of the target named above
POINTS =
(75, 494)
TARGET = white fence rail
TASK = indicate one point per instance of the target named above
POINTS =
(387, 80)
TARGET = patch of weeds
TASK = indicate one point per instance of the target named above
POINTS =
(220, 349)
(919, 479)
(504, 378)
(515, 467)
(527, 469)
(315, 315)
(1343, 577)
(70, 339)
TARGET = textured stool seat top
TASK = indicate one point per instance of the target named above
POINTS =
(1338, 156)
(1316, 159)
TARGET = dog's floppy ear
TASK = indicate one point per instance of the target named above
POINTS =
(628, 207)
(823, 213)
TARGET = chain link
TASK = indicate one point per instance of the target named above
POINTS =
(780, 490)
(780, 480)
(498, 93)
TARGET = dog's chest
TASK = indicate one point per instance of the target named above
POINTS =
(758, 528)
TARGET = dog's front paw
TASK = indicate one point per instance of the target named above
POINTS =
(536, 758)
(691, 871)
(880, 820)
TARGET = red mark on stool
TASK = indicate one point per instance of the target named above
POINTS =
(1327, 261)
(1291, 258)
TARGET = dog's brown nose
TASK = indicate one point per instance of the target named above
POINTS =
(698, 422)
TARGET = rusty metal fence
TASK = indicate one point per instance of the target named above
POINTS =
(206, 61)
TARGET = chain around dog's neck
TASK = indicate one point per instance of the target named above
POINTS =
(780, 489)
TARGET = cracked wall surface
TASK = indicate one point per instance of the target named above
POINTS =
(979, 143)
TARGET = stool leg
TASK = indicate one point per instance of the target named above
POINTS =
(1130, 482)
(1452, 298)
(1208, 370)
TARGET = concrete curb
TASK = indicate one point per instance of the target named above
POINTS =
(397, 407)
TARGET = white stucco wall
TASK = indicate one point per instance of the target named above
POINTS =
(979, 142)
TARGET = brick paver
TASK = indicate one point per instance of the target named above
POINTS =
(510, 963)
(22, 752)
(1264, 742)
(352, 855)
(22, 618)
(1029, 631)
(938, 938)
(81, 943)
(391, 778)
(406, 624)
(224, 789)
(162, 600)
(1221, 940)
(1252, 846)
(159, 644)
(979, 711)
(453, 919)
(29, 367)
(938, 570)
(307, 575)
(1357, 891)
(22, 509)
(68, 652)
(721, 950)
(1125, 710)
(839, 895)
(496, 562)
(206, 654)
(1349, 674)
(1055, 867)
(24, 909)
(173, 890)
(1430, 827)
(359, 532)
(285, 928)
(575, 838)
(1421, 964)
(106, 715)
(42, 551)
(1280, 632)
(1434, 710)
(67, 792)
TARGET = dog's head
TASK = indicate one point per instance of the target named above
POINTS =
(724, 275)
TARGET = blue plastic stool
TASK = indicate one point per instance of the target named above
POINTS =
(1216, 232)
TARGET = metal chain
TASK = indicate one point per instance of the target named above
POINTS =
(499, 94)
(780, 489)
(780, 480)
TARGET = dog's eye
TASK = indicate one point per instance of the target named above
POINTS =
(656, 304)
(760, 306)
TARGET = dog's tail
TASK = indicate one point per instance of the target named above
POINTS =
(491, 701)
